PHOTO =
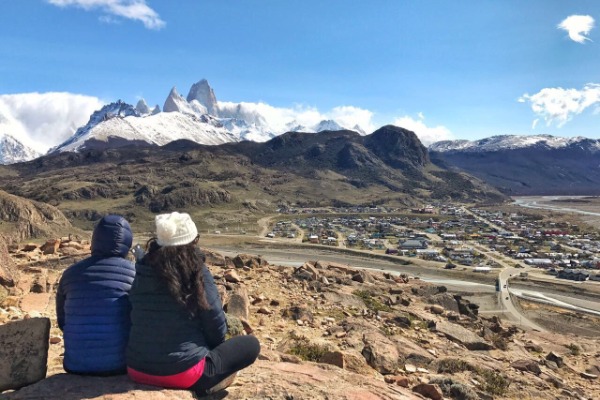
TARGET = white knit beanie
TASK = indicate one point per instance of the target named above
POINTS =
(175, 229)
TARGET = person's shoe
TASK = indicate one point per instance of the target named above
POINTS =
(225, 383)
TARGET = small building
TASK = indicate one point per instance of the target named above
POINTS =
(413, 244)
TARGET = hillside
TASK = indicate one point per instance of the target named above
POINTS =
(22, 219)
(331, 332)
(390, 166)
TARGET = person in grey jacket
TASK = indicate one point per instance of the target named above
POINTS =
(177, 337)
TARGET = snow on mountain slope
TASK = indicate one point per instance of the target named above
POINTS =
(504, 142)
(199, 117)
(11, 149)
(158, 129)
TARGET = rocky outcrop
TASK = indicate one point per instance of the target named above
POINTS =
(263, 380)
(324, 334)
(31, 218)
(463, 336)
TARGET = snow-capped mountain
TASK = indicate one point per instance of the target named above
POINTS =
(11, 149)
(505, 142)
(198, 117)
(526, 165)
(121, 121)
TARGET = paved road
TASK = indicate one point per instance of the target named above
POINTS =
(506, 299)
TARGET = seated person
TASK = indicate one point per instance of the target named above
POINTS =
(177, 337)
(92, 302)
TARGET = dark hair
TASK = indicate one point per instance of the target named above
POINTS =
(180, 267)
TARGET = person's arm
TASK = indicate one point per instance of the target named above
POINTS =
(60, 305)
(213, 321)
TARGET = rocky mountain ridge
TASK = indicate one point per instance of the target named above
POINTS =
(307, 169)
(332, 332)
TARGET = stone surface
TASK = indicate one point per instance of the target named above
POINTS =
(429, 391)
(527, 365)
(463, 336)
(380, 352)
(8, 270)
(552, 356)
(23, 352)
(262, 380)
(239, 304)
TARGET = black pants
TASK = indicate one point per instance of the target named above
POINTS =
(227, 358)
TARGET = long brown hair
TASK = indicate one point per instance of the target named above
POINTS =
(180, 267)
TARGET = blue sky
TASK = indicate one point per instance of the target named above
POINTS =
(451, 69)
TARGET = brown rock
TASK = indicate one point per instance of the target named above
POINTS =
(8, 270)
(437, 309)
(238, 304)
(51, 246)
(247, 260)
(55, 340)
(362, 277)
(30, 247)
(334, 358)
(39, 282)
(380, 352)
(399, 380)
(213, 258)
(589, 376)
(264, 310)
(552, 356)
(462, 335)
(232, 276)
(527, 365)
(429, 391)
(23, 352)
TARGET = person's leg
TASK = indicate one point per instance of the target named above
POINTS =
(224, 360)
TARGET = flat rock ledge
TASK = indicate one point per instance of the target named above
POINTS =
(263, 380)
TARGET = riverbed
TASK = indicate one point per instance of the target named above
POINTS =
(586, 208)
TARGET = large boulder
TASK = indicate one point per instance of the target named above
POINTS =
(239, 304)
(8, 269)
(463, 336)
(23, 352)
(380, 352)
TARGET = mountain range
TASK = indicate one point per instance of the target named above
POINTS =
(526, 165)
(341, 168)
(516, 165)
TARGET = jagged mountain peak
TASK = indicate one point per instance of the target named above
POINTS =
(142, 108)
(205, 95)
(327, 125)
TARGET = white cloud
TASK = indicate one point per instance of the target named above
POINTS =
(427, 134)
(136, 10)
(43, 120)
(283, 118)
(578, 27)
(558, 105)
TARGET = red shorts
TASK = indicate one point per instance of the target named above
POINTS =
(182, 380)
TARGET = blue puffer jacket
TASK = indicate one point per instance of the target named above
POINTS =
(92, 302)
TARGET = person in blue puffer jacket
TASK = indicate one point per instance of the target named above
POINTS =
(92, 302)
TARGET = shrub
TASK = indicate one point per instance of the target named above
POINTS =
(371, 302)
(493, 382)
(308, 351)
(453, 365)
(574, 349)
